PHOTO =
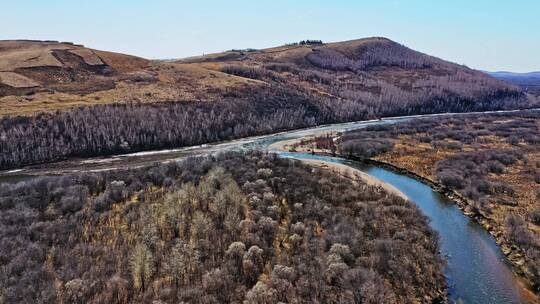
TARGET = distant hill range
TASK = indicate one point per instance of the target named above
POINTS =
(530, 82)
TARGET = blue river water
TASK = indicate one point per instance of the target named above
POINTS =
(476, 269)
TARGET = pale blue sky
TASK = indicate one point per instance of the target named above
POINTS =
(483, 34)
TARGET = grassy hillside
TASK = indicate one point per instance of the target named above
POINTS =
(375, 72)
(134, 104)
(30, 67)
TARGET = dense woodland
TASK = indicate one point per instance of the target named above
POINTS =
(493, 160)
(228, 229)
(120, 128)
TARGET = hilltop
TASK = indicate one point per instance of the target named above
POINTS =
(28, 66)
(47, 75)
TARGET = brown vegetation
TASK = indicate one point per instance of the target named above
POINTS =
(52, 67)
(361, 73)
(237, 228)
(492, 160)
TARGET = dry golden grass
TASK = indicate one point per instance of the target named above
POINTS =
(121, 62)
(173, 81)
(24, 54)
(176, 82)
(87, 55)
(17, 80)
(29, 54)
(44, 102)
(414, 156)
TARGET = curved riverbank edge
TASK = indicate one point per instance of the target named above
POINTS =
(353, 174)
(514, 254)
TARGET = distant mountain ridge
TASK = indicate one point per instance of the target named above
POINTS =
(515, 74)
(529, 82)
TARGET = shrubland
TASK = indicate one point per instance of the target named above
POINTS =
(492, 160)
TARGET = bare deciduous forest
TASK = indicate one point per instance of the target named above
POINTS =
(237, 228)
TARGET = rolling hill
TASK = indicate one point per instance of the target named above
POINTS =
(46, 75)
(114, 103)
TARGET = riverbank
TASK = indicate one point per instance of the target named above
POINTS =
(356, 175)
(353, 174)
(514, 255)
(148, 158)
(491, 160)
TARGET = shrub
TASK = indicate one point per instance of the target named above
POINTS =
(535, 216)
(366, 148)
(451, 179)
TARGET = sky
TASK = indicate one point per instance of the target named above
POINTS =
(491, 35)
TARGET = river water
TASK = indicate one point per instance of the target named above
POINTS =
(476, 270)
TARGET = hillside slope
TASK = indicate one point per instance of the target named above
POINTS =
(374, 74)
(40, 76)
(28, 67)
(134, 104)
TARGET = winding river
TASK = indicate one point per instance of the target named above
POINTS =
(476, 270)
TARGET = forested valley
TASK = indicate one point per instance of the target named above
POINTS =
(307, 171)
(232, 228)
(492, 160)
(238, 94)
(121, 128)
